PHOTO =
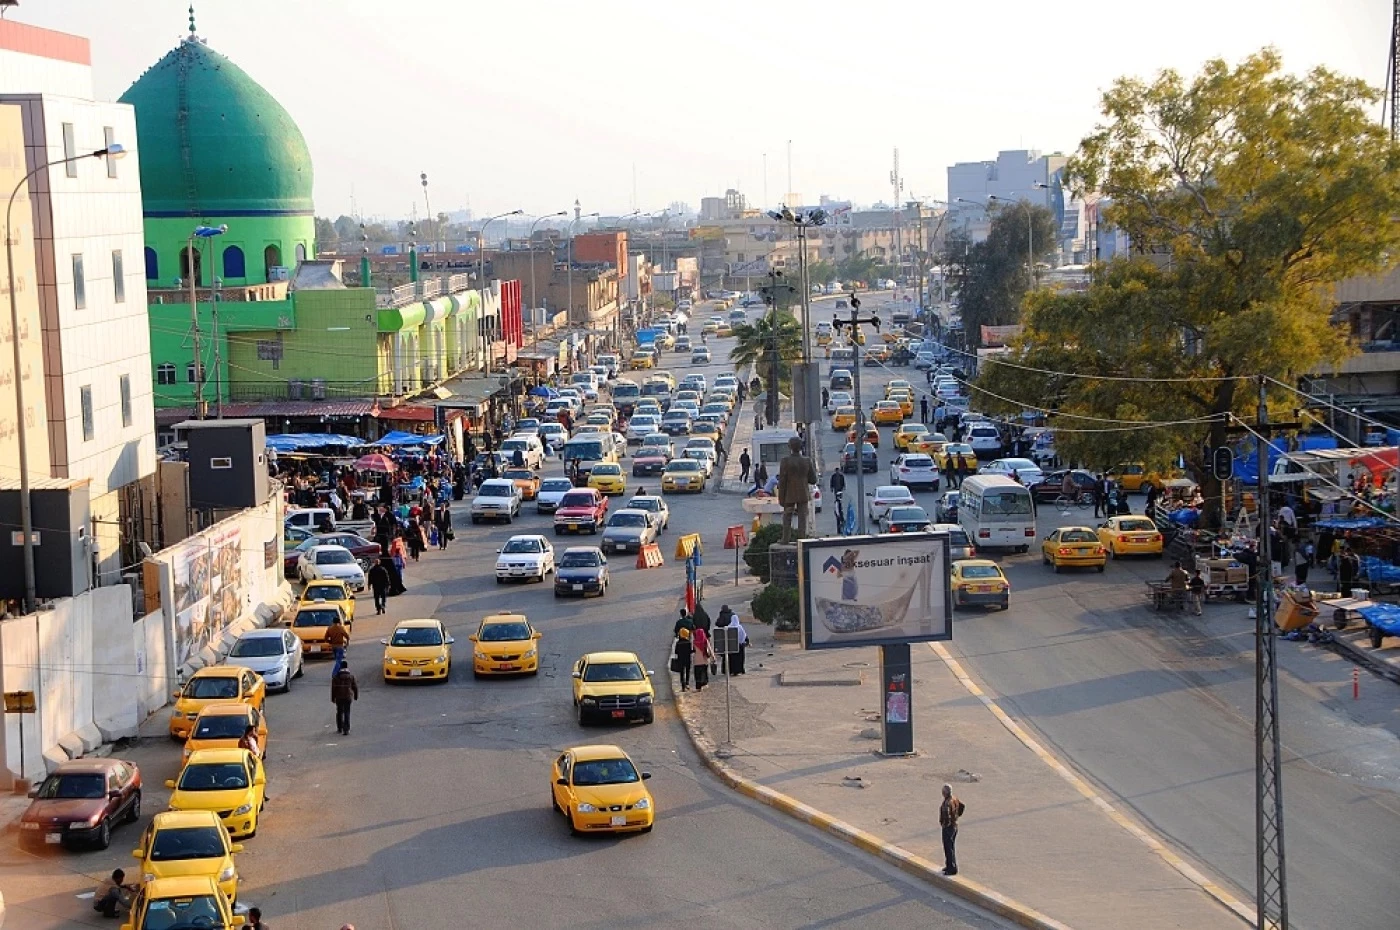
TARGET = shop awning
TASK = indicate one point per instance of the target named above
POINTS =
(400, 438)
(298, 442)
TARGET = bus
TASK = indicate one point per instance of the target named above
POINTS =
(996, 513)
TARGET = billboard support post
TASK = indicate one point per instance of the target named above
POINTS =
(896, 701)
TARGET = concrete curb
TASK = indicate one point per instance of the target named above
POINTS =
(1364, 657)
(973, 892)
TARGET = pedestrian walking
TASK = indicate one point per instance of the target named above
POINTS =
(949, 812)
(736, 661)
(701, 656)
(344, 691)
(683, 657)
(760, 478)
(255, 921)
(443, 522)
(378, 579)
(415, 538)
(745, 463)
(685, 622)
(1302, 559)
(725, 618)
(1196, 592)
(337, 637)
(950, 473)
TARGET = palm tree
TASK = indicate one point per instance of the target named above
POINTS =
(755, 344)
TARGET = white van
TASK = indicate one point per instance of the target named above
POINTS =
(996, 512)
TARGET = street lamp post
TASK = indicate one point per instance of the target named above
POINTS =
(201, 407)
(481, 278)
(802, 221)
(534, 300)
(26, 517)
(429, 205)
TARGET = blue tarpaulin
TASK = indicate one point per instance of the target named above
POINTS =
(1384, 617)
(400, 438)
(1351, 523)
(298, 442)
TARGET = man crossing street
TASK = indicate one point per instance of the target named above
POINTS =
(344, 692)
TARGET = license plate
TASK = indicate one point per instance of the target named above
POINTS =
(619, 821)
(979, 589)
(53, 837)
(315, 648)
(415, 673)
(577, 587)
(619, 713)
(505, 668)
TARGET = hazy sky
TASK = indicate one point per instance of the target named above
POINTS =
(533, 103)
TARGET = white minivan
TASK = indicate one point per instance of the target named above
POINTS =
(996, 512)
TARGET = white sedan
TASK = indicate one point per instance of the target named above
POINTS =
(524, 557)
(839, 399)
(641, 426)
(914, 469)
(1026, 471)
(550, 492)
(331, 562)
(885, 497)
(702, 454)
(274, 653)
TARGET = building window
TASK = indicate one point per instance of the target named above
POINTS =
(70, 149)
(165, 373)
(118, 277)
(300, 253)
(272, 258)
(190, 374)
(234, 265)
(152, 265)
(197, 273)
(109, 138)
(79, 284)
(85, 399)
(126, 399)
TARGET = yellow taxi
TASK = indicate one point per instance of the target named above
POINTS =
(872, 435)
(212, 685)
(905, 399)
(962, 454)
(418, 649)
(887, 413)
(311, 623)
(724, 330)
(598, 418)
(880, 353)
(525, 480)
(706, 429)
(1134, 477)
(843, 418)
(221, 726)
(231, 782)
(891, 337)
(1130, 536)
(898, 384)
(1075, 547)
(907, 433)
(710, 328)
(505, 644)
(186, 901)
(612, 686)
(823, 337)
(979, 581)
(332, 592)
(683, 474)
(599, 789)
(189, 844)
(928, 443)
(641, 359)
(608, 478)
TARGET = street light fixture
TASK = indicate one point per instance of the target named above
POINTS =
(534, 302)
(26, 518)
(803, 220)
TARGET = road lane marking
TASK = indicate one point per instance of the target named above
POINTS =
(1190, 872)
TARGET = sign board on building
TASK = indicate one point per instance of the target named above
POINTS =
(19, 702)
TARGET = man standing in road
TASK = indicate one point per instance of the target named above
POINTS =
(923, 410)
(338, 637)
(795, 479)
(948, 814)
(344, 691)
(838, 494)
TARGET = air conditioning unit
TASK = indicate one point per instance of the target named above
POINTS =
(318, 388)
(278, 273)
(294, 387)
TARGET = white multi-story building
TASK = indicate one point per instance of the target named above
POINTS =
(1020, 174)
(88, 263)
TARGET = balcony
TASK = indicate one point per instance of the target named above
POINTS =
(425, 289)
(248, 293)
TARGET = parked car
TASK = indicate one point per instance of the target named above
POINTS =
(80, 802)
(364, 551)
(274, 653)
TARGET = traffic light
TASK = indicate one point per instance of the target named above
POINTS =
(1222, 463)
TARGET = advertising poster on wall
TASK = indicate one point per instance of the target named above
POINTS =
(874, 590)
(208, 591)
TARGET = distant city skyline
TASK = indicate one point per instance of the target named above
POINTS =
(649, 105)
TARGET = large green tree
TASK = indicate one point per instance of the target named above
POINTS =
(993, 276)
(770, 344)
(1246, 192)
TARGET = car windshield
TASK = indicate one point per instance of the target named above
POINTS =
(556, 484)
(642, 503)
(683, 465)
(1137, 526)
(613, 671)
(1018, 465)
(84, 786)
(214, 776)
(580, 560)
(257, 647)
(504, 633)
(495, 490)
(220, 726)
(323, 592)
(315, 618)
(627, 519)
(522, 545)
(908, 515)
(184, 913)
(1077, 536)
(173, 845)
(606, 469)
(918, 461)
(698, 452)
(1007, 504)
(577, 499)
(605, 772)
(981, 571)
(625, 391)
(334, 557)
(518, 474)
(220, 687)
(583, 450)
(416, 636)
(510, 445)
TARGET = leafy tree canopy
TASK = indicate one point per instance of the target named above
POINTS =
(991, 276)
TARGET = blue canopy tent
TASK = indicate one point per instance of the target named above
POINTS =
(303, 442)
(399, 438)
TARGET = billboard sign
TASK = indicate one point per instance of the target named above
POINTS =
(874, 590)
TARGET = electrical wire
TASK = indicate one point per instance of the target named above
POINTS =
(1357, 415)
(995, 360)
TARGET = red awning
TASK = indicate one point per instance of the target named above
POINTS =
(408, 413)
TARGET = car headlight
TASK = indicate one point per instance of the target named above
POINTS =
(243, 809)
(390, 660)
(529, 654)
(481, 655)
(587, 808)
(176, 715)
(151, 876)
(588, 700)
(642, 805)
(226, 875)
(439, 660)
(644, 699)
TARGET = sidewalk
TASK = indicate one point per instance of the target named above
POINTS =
(1028, 833)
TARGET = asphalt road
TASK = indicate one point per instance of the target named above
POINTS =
(434, 811)
(1159, 713)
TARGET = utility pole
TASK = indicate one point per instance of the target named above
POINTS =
(897, 183)
(771, 291)
(1395, 74)
(854, 323)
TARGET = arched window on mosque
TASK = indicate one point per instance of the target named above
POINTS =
(152, 265)
(185, 272)
(272, 258)
(234, 265)
(300, 253)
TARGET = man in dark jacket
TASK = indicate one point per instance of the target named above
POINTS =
(378, 579)
(344, 691)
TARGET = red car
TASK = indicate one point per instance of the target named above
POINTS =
(364, 551)
(81, 802)
(648, 464)
(580, 510)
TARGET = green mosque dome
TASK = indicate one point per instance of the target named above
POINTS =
(213, 143)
